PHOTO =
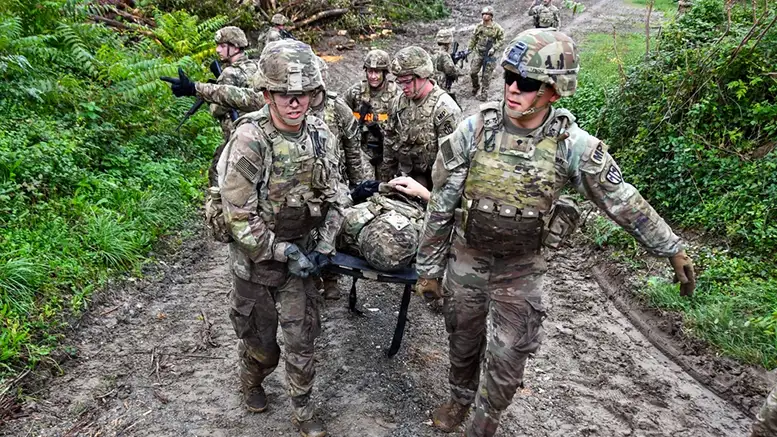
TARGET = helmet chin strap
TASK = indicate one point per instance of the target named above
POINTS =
(532, 109)
(415, 88)
(289, 121)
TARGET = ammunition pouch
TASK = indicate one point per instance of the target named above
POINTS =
(503, 230)
(298, 216)
(214, 217)
(564, 219)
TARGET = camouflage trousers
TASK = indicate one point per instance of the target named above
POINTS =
(255, 313)
(493, 310)
(476, 64)
(766, 421)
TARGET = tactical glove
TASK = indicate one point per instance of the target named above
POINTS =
(364, 190)
(181, 86)
(319, 261)
(299, 265)
(429, 288)
(684, 273)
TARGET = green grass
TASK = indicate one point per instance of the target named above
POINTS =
(668, 7)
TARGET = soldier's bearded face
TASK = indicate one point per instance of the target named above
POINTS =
(375, 77)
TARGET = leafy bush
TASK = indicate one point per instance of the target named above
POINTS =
(91, 170)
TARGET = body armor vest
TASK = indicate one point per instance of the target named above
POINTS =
(417, 146)
(510, 187)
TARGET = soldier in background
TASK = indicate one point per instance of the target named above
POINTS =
(276, 32)
(445, 69)
(485, 41)
(283, 202)
(231, 43)
(545, 14)
(495, 179)
(372, 97)
(419, 119)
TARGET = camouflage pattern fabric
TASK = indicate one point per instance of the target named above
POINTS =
(417, 128)
(338, 116)
(237, 74)
(766, 421)
(379, 100)
(383, 230)
(477, 44)
(444, 67)
(528, 52)
(545, 16)
(231, 35)
(512, 284)
(255, 312)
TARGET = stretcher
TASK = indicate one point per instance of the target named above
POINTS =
(358, 268)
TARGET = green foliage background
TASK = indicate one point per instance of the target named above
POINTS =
(91, 170)
(694, 126)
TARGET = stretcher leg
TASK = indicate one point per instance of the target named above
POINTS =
(352, 299)
(399, 331)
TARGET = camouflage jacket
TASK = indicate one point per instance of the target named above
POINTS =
(380, 100)
(545, 16)
(338, 116)
(335, 113)
(266, 37)
(581, 160)
(482, 34)
(264, 173)
(237, 74)
(444, 67)
(417, 128)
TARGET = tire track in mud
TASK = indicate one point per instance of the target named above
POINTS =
(144, 366)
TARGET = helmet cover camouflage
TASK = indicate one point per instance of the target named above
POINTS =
(487, 10)
(288, 66)
(377, 60)
(231, 35)
(444, 36)
(389, 242)
(323, 67)
(279, 20)
(412, 60)
(534, 51)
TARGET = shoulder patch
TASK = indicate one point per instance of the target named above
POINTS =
(447, 151)
(247, 169)
(614, 175)
(598, 153)
(442, 115)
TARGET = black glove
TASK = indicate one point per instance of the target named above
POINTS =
(364, 190)
(299, 265)
(182, 86)
(319, 260)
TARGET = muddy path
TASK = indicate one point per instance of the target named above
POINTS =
(157, 356)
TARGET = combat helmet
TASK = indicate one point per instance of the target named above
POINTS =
(279, 20)
(444, 36)
(231, 35)
(531, 52)
(412, 60)
(389, 242)
(288, 66)
(377, 60)
(487, 10)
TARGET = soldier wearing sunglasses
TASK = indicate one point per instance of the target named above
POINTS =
(496, 179)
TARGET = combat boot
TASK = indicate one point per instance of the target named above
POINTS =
(310, 428)
(448, 416)
(255, 399)
(331, 290)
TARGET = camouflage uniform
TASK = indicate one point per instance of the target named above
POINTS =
(478, 44)
(273, 33)
(379, 100)
(766, 421)
(384, 230)
(545, 15)
(279, 189)
(493, 185)
(238, 74)
(333, 111)
(417, 126)
(444, 67)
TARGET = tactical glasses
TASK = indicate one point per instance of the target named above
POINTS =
(405, 82)
(288, 99)
(524, 84)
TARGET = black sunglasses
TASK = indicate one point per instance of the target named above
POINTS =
(525, 84)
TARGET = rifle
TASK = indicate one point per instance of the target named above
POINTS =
(285, 34)
(486, 58)
(215, 69)
(373, 128)
(457, 56)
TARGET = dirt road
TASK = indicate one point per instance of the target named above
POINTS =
(157, 357)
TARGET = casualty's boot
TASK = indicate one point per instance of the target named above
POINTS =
(448, 416)
(310, 428)
(255, 399)
(331, 290)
